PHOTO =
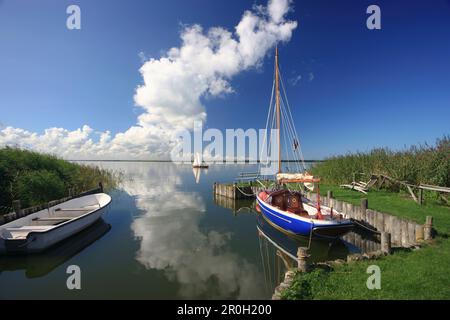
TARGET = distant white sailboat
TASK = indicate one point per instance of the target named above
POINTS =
(197, 173)
(198, 162)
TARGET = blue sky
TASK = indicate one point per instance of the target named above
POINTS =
(359, 88)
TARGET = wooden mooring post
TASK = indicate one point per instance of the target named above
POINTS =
(17, 207)
(419, 233)
(302, 259)
(386, 242)
(427, 228)
(364, 207)
(329, 196)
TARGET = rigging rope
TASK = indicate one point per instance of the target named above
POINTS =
(288, 131)
(291, 118)
(267, 124)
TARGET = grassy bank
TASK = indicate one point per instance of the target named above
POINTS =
(36, 178)
(396, 203)
(419, 274)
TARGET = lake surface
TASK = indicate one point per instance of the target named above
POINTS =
(165, 236)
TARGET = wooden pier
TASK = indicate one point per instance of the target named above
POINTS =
(233, 191)
(403, 232)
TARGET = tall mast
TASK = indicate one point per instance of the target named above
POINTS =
(277, 92)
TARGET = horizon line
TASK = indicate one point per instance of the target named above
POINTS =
(218, 161)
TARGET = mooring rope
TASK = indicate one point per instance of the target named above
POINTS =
(310, 237)
(245, 194)
(247, 208)
(365, 227)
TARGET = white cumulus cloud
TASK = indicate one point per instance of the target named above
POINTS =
(172, 89)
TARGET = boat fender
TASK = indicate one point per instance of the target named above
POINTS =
(263, 195)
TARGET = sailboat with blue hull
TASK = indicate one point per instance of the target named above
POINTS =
(283, 205)
(304, 224)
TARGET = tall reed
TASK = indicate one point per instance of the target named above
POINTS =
(428, 164)
(36, 178)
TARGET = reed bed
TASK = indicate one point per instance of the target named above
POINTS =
(36, 178)
(429, 164)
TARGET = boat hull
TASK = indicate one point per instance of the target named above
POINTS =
(303, 226)
(39, 241)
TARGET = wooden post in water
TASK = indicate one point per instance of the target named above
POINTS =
(302, 259)
(386, 242)
(427, 228)
(17, 208)
(100, 186)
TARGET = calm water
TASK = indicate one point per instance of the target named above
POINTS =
(165, 236)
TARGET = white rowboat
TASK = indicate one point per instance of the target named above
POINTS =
(41, 230)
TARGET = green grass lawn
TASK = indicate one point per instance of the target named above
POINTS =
(419, 274)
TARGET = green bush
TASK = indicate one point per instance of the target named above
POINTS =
(39, 186)
(304, 285)
(36, 178)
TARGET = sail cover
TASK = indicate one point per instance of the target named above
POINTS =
(297, 176)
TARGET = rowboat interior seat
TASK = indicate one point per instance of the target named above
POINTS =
(71, 212)
(53, 221)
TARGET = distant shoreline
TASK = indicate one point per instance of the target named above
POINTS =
(212, 162)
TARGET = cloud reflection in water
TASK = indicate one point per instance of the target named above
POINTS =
(201, 262)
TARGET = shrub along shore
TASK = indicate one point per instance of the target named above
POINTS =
(418, 274)
(35, 178)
